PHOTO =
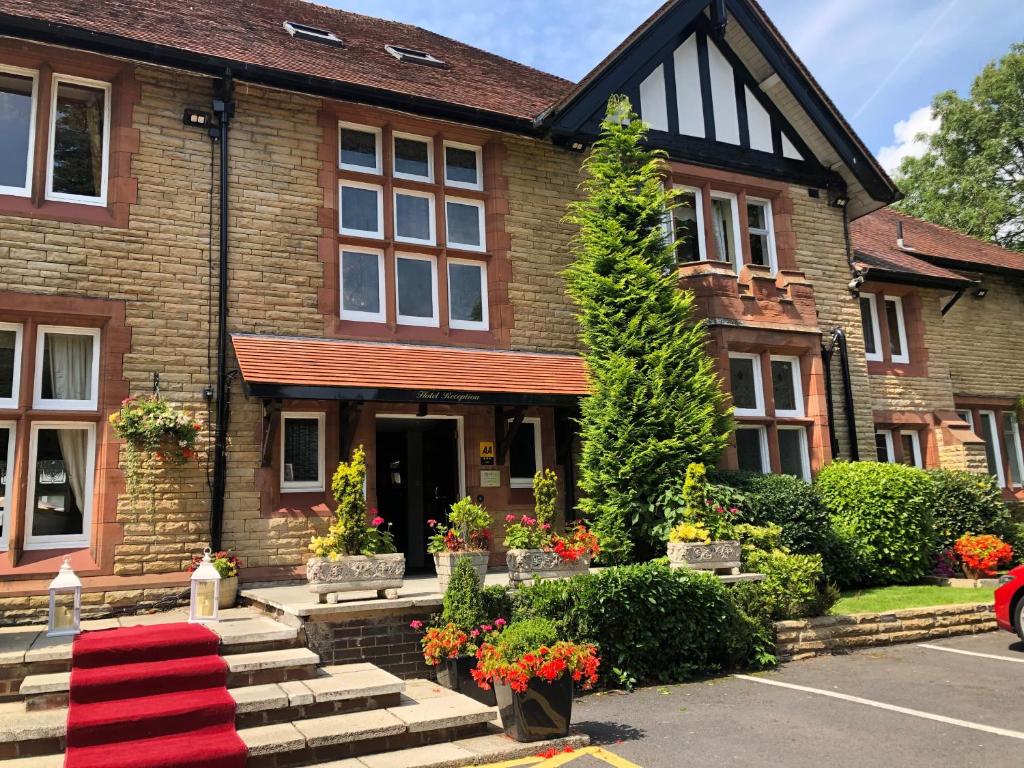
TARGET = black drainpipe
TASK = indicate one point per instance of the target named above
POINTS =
(224, 108)
(827, 353)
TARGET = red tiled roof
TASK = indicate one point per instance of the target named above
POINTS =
(306, 362)
(252, 32)
(875, 235)
(904, 263)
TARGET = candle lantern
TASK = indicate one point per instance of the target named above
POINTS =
(65, 602)
(205, 598)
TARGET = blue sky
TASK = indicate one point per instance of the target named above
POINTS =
(880, 60)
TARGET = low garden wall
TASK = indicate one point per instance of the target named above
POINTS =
(825, 635)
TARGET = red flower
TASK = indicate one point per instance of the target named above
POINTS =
(983, 554)
(377, 521)
(510, 518)
(432, 523)
(416, 624)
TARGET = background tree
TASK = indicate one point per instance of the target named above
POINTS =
(972, 177)
(657, 403)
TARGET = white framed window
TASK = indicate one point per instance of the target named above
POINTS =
(416, 289)
(302, 451)
(898, 349)
(362, 284)
(62, 463)
(19, 95)
(967, 416)
(884, 449)
(412, 157)
(77, 163)
(1014, 455)
(67, 375)
(787, 385)
(465, 224)
(725, 226)
(414, 56)
(359, 148)
(463, 165)
(869, 322)
(10, 364)
(361, 209)
(910, 441)
(414, 217)
(745, 384)
(794, 454)
(752, 449)
(686, 227)
(7, 443)
(315, 34)
(467, 294)
(761, 233)
(524, 454)
(989, 433)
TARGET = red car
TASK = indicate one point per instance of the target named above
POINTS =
(1010, 602)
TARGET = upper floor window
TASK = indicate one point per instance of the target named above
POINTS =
(414, 157)
(18, 95)
(463, 166)
(79, 141)
(883, 316)
(761, 233)
(359, 148)
(67, 368)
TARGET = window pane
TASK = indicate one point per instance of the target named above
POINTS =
(722, 223)
(867, 321)
(782, 383)
(882, 447)
(463, 224)
(412, 157)
(759, 249)
(522, 455)
(359, 148)
(892, 320)
(67, 366)
(60, 482)
(78, 140)
(7, 363)
(460, 165)
(359, 209)
(755, 216)
(742, 382)
(792, 455)
(757, 227)
(415, 288)
(5, 464)
(464, 292)
(685, 223)
(412, 217)
(15, 117)
(748, 450)
(302, 450)
(988, 434)
(1011, 437)
(909, 443)
(360, 280)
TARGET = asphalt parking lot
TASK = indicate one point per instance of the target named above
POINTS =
(956, 701)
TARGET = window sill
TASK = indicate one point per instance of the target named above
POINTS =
(110, 215)
(888, 368)
(46, 562)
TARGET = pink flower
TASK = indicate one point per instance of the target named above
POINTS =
(733, 511)
(417, 625)
(546, 526)
(486, 627)
(510, 518)
(432, 523)
(377, 521)
(475, 633)
(720, 509)
(499, 623)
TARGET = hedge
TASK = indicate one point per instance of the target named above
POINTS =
(968, 502)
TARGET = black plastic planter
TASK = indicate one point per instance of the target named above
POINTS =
(455, 675)
(543, 711)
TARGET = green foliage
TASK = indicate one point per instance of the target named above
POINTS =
(656, 402)
(497, 602)
(463, 603)
(522, 637)
(468, 528)
(758, 538)
(535, 532)
(794, 586)
(882, 518)
(545, 495)
(652, 623)
(350, 534)
(688, 533)
(971, 178)
(722, 507)
(968, 502)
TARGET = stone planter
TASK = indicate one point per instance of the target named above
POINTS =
(444, 564)
(228, 592)
(454, 674)
(382, 574)
(525, 564)
(713, 556)
(543, 711)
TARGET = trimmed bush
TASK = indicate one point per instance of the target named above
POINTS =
(463, 603)
(794, 586)
(521, 637)
(881, 515)
(968, 502)
(497, 602)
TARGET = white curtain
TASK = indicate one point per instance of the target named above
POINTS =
(74, 445)
(70, 357)
(721, 228)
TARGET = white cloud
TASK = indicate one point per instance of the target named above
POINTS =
(906, 133)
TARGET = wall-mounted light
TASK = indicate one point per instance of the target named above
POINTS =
(980, 292)
(577, 146)
(196, 118)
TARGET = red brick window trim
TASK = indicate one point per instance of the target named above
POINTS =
(997, 423)
(891, 319)
(74, 75)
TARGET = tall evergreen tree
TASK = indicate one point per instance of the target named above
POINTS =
(657, 402)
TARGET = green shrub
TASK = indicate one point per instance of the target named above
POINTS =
(968, 502)
(463, 603)
(521, 637)
(497, 602)
(674, 505)
(881, 515)
(757, 538)
(794, 586)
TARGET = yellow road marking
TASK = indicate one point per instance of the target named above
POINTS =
(565, 758)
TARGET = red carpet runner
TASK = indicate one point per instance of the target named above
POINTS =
(151, 697)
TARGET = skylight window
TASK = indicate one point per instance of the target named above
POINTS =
(413, 56)
(317, 35)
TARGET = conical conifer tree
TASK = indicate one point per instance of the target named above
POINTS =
(657, 402)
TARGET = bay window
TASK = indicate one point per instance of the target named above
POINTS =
(688, 227)
(745, 384)
(302, 452)
(18, 97)
(761, 233)
(786, 385)
(725, 226)
(884, 450)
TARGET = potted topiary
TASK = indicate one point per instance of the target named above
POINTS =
(532, 673)
(355, 555)
(534, 550)
(467, 535)
(704, 539)
(227, 566)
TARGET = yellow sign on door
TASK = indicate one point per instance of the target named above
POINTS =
(486, 453)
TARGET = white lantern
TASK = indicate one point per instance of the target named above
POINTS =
(204, 605)
(65, 602)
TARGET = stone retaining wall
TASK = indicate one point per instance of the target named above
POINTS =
(824, 635)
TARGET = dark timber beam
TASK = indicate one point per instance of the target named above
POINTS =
(271, 420)
(504, 431)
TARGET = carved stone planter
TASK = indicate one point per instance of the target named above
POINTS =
(525, 564)
(444, 563)
(356, 573)
(713, 556)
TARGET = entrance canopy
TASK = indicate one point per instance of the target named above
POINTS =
(282, 367)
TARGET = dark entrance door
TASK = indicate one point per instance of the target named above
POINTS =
(417, 479)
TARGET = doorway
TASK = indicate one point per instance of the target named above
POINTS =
(419, 475)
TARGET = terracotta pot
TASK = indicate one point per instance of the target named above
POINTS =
(541, 712)
(228, 592)
(444, 564)
(525, 564)
(382, 574)
(454, 674)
